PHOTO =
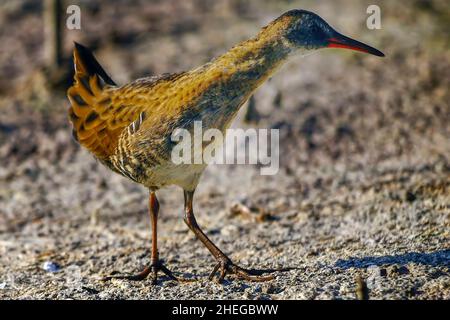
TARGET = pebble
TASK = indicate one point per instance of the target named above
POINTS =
(51, 266)
(410, 196)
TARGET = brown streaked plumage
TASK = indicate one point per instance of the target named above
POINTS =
(128, 128)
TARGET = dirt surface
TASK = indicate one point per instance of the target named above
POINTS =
(363, 189)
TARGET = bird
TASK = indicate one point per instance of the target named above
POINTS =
(128, 128)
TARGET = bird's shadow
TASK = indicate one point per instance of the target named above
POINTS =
(434, 259)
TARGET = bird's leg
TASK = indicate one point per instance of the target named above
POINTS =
(224, 264)
(155, 263)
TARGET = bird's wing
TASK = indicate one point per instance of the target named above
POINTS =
(100, 111)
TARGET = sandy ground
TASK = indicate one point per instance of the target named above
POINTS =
(363, 189)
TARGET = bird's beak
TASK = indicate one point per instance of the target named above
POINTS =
(341, 41)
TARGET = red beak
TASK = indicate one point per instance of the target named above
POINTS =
(341, 41)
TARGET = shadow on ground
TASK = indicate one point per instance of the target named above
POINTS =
(435, 259)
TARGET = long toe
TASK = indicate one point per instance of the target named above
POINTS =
(153, 269)
(225, 267)
(244, 274)
(134, 277)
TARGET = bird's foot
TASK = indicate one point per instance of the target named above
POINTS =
(152, 269)
(225, 266)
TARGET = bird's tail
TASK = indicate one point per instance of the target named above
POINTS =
(89, 98)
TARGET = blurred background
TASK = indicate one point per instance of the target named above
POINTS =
(364, 182)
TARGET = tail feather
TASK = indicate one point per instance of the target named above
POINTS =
(86, 63)
(100, 111)
(89, 98)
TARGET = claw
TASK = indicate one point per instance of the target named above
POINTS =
(153, 269)
(227, 267)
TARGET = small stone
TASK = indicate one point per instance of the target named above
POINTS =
(240, 209)
(410, 196)
(51, 266)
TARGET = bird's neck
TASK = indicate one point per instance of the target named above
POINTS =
(250, 63)
(231, 78)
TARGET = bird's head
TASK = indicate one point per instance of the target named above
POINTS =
(306, 31)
